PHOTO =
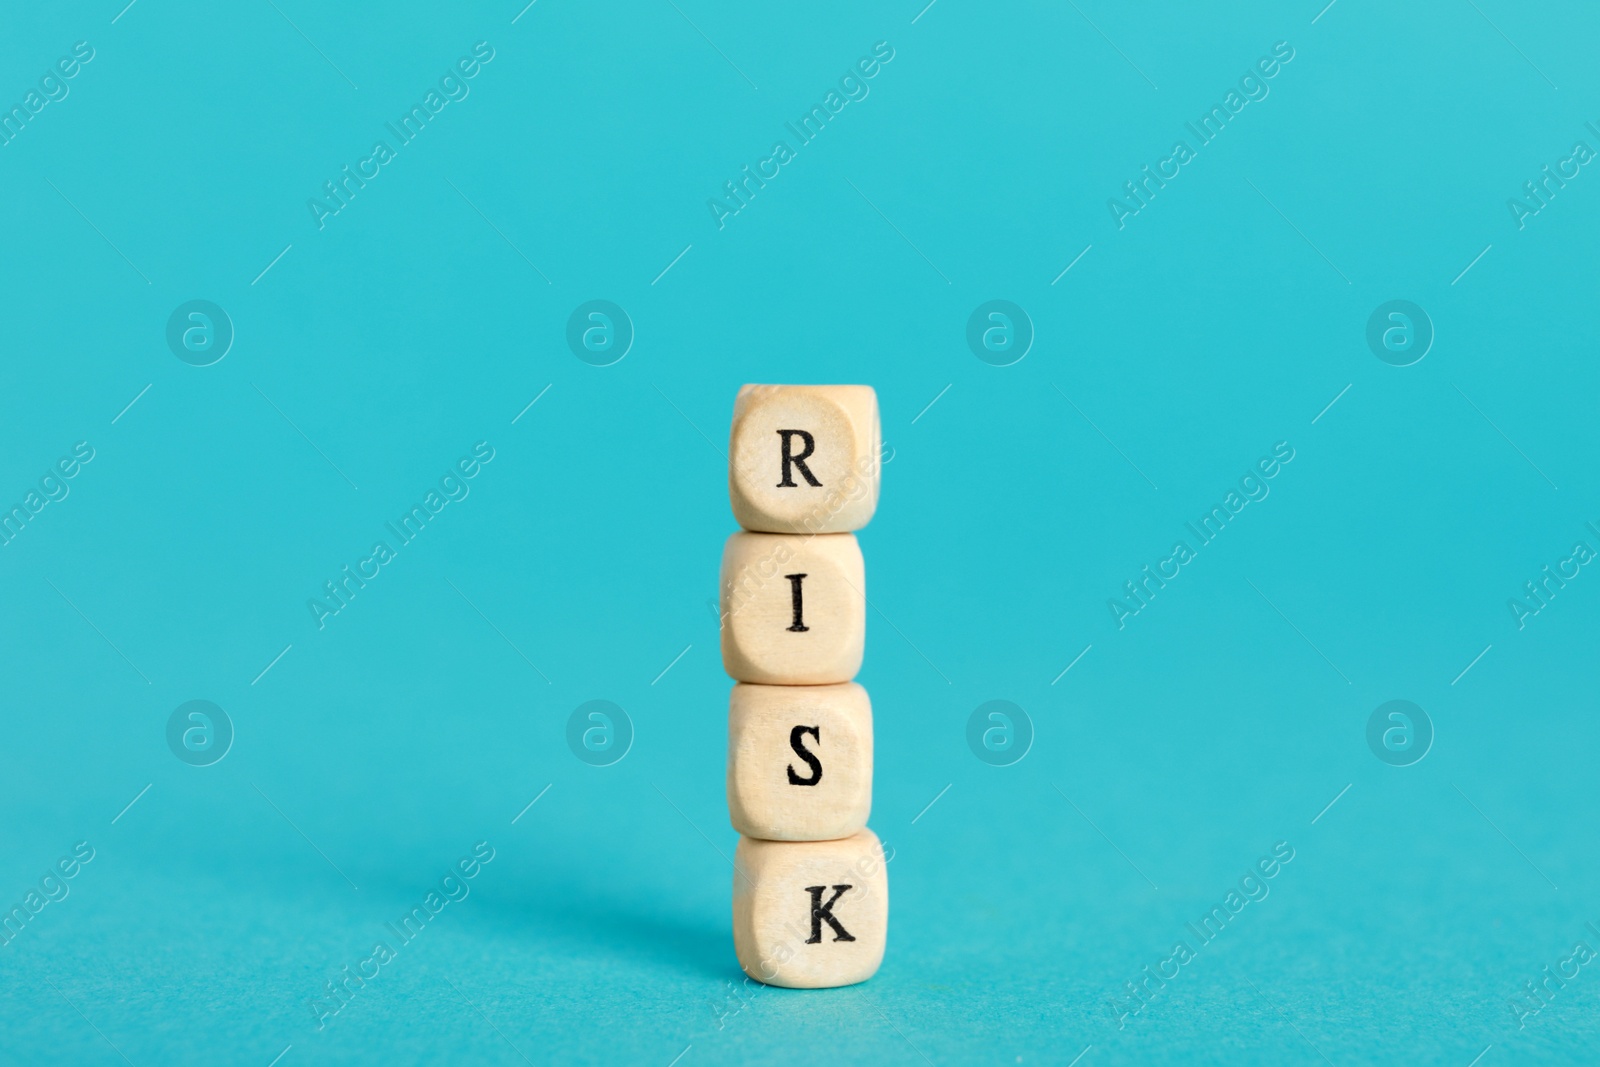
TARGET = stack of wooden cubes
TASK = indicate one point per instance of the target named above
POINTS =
(810, 892)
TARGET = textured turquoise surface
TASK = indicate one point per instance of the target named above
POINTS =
(1222, 315)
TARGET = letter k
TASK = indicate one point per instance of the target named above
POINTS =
(821, 913)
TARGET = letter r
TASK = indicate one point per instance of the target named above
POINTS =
(788, 436)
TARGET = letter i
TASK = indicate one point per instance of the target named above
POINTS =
(799, 625)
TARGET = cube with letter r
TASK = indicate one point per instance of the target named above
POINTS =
(804, 458)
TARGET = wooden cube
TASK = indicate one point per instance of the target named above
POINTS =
(804, 458)
(793, 608)
(799, 761)
(810, 914)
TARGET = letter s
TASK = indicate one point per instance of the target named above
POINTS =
(883, 50)
(485, 52)
(83, 50)
(84, 451)
(800, 750)
(484, 451)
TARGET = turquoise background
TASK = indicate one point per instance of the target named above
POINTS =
(372, 353)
